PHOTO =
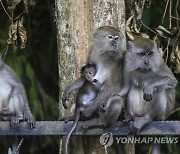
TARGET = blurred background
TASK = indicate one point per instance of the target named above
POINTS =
(37, 64)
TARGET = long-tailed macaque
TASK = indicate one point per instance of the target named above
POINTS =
(149, 85)
(85, 96)
(13, 100)
(107, 49)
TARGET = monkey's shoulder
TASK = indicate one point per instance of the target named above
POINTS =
(9, 73)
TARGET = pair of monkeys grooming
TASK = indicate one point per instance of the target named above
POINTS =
(137, 80)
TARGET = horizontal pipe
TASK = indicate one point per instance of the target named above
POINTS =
(62, 128)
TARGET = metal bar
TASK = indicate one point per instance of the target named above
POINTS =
(61, 128)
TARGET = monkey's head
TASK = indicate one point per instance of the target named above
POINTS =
(143, 55)
(108, 40)
(88, 72)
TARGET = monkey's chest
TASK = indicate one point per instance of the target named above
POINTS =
(5, 90)
(136, 105)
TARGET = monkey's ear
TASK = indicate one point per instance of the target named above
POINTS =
(130, 45)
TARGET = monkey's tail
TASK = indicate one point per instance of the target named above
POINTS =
(70, 132)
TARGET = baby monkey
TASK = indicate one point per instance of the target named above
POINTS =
(86, 94)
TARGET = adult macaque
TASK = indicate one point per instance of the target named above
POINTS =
(85, 96)
(149, 85)
(107, 49)
(13, 100)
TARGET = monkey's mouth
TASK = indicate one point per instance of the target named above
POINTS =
(144, 69)
(112, 52)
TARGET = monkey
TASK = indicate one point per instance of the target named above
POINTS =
(86, 94)
(106, 52)
(13, 100)
(149, 85)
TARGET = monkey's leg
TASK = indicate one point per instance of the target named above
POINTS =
(95, 122)
(16, 106)
(29, 117)
(156, 110)
(109, 116)
(114, 110)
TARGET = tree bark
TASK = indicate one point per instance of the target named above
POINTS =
(76, 20)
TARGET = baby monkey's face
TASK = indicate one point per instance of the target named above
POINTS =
(89, 73)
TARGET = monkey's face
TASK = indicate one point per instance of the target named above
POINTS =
(108, 40)
(145, 59)
(89, 73)
(143, 55)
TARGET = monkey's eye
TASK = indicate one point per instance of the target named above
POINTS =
(116, 37)
(89, 72)
(149, 53)
(110, 37)
(141, 54)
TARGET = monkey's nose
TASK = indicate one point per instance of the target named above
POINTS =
(114, 44)
(146, 62)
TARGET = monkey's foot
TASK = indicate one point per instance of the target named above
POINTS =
(85, 128)
(138, 124)
(127, 119)
(31, 123)
(15, 120)
(132, 129)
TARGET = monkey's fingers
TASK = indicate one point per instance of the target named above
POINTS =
(31, 123)
(85, 127)
(132, 129)
(14, 121)
(128, 119)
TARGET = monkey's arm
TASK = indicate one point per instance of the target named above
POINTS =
(163, 81)
(73, 86)
(165, 78)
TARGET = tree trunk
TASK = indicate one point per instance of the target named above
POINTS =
(76, 21)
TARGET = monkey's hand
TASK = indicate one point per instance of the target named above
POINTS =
(148, 93)
(15, 121)
(97, 84)
(65, 97)
(31, 122)
(103, 107)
